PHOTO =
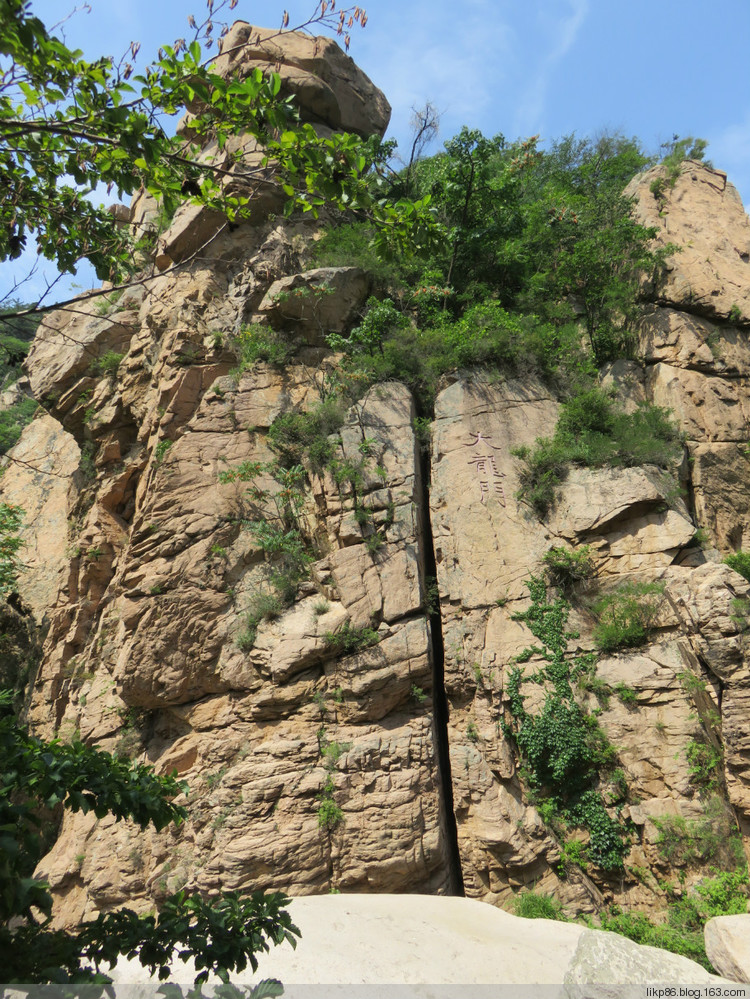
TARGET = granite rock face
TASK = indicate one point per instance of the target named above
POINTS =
(148, 657)
(694, 344)
(710, 275)
(42, 479)
(320, 631)
(487, 545)
(318, 302)
(328, 87)
(728, 946)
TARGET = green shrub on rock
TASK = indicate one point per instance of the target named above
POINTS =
(740, 562)
(593, 432)
(13, 420)
(682, 933)
(567, 567)
(530, 905)
(626, 615)
(347, 640)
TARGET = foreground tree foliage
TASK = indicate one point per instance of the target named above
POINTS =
(68, 125)
(38, 780)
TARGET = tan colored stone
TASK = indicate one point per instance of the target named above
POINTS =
(683, 340)
(705, 407)
(482, 533)
(15, 392)
(191, 231)
(39, 478)
(120, 213)
(704, 216)
(68, 344)
(719, 477)
(158, 621)
(318, 302)
(628, 380)
(711, 601)
(327, 84)
(728, 946)
(624, 514)
(651, 733)
(637, 527)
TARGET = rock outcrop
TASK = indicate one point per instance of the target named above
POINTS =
(709, 274)
(728, 946)
(328, 87)
(346, 727)
(374, 939)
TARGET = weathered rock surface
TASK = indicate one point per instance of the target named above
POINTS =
(487, 545)
(694, 345)
(719, 477)
(305, 716)
(248, 729)
(328, 86)
(376, 939)
(67, 348)
(728, 946)
(329, 90)
(318, 302)
(710, 275)
(40, 476)
(685, 340)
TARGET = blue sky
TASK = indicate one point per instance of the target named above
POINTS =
(649, 68)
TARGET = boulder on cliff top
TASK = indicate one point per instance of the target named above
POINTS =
(328, 86)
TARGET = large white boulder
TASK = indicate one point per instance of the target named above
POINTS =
(728, 945)
(439, 940)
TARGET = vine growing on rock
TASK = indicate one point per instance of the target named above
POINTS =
(563, 748)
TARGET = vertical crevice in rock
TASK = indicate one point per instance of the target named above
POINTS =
(686, 481)
(20, 650)
(439, 697)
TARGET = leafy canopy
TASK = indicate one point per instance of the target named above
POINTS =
(68, 124)
(540, 270)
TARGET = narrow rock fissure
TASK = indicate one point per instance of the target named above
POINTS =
(689, 486)
(439, 697)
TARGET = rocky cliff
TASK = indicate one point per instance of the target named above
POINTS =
(355, 732)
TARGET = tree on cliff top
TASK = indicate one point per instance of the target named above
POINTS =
(68, 125)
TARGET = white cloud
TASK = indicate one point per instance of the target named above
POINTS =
(557, 37)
